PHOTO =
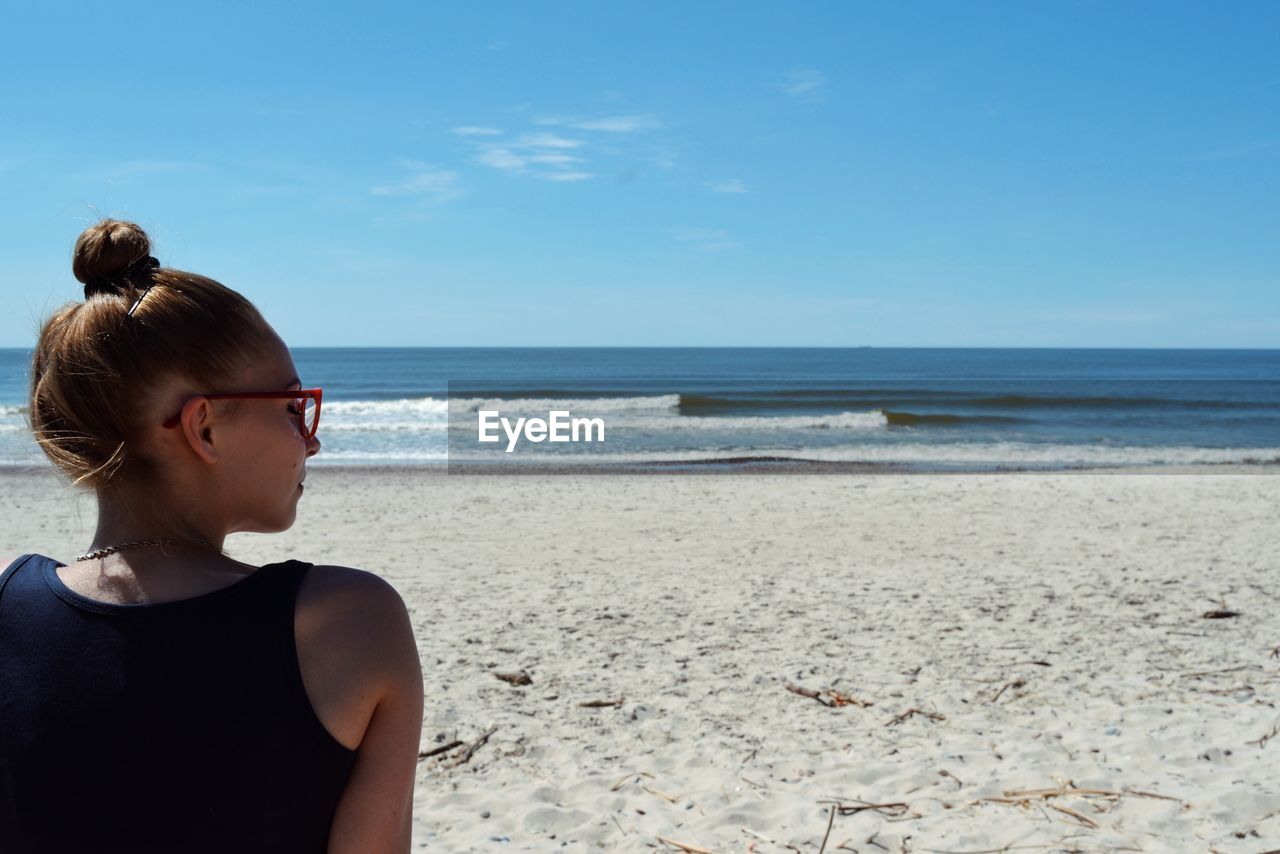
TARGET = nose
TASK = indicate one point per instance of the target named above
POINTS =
(313, 446)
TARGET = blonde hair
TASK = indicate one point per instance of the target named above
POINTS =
(98, 362)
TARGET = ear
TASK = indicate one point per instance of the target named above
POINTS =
(196, 423)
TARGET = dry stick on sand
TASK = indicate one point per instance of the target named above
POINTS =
(601, 704)
(636, 774)
(519, 678)
(891, 810)
(1088, 822)
(1202, 673)
(1220, 614)
(831, 819)
(1140, 794)
(689, 849)
(933, 716)
(465, 756)
(1025, 794)
(830, 699)
(444, 748)
(660, 793)
(1025, 798)
(1262, 742)
(1015, 684)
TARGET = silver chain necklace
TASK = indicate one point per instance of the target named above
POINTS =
(138, 544)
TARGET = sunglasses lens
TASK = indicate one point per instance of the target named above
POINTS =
(307, 406)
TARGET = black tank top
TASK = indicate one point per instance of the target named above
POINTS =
(177, 727)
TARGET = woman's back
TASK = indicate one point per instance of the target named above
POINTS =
(192, 714)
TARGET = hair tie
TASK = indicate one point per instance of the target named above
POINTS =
(110, 283)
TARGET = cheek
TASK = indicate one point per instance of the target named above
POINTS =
(276, 446)
(294, 447)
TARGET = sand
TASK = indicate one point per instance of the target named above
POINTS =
(1033, 651)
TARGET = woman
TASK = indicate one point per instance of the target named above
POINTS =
(155, 694)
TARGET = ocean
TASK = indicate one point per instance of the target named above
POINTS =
(693, 408)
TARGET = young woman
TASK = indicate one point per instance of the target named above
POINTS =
(156, 694)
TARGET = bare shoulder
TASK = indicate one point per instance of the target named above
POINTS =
(341, 608)
(373, 641)
(355, 587)
(5, 562)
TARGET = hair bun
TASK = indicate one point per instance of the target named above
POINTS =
(108, 254)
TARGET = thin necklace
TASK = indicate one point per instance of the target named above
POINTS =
(139, 544)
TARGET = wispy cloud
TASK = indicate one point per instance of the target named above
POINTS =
(732, 185)
(706, 239)
(535, 155)
(568, 176)
(499, 157)
(607, 124)
(423, 180)
(555, 148)
(808, 84)
(554, 158)
(547, 140)
(619, 124)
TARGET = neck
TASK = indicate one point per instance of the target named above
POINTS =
(122, 520)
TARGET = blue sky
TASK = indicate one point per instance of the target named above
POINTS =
(745, 173)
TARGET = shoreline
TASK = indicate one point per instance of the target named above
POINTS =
(736, 466)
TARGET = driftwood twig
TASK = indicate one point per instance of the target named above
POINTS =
(465, 756)
(660, 793)
(1088, 822)
(1015, 684)
(519, 678)
(830, 821)
(890, 809)
(601, 704)
(1267, 736)
(933, 716)
(830, 699)
(444, 748)
(1202, 673)
(1140, 794)
(1026, 797)
(634, 774)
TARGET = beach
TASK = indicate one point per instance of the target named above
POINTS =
(774, 662)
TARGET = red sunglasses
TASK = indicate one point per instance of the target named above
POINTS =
(308, 405)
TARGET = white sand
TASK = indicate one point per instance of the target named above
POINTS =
(695, 598)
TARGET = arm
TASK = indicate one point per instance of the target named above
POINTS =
(375, 814)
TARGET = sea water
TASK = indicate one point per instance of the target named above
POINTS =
(930, 409)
